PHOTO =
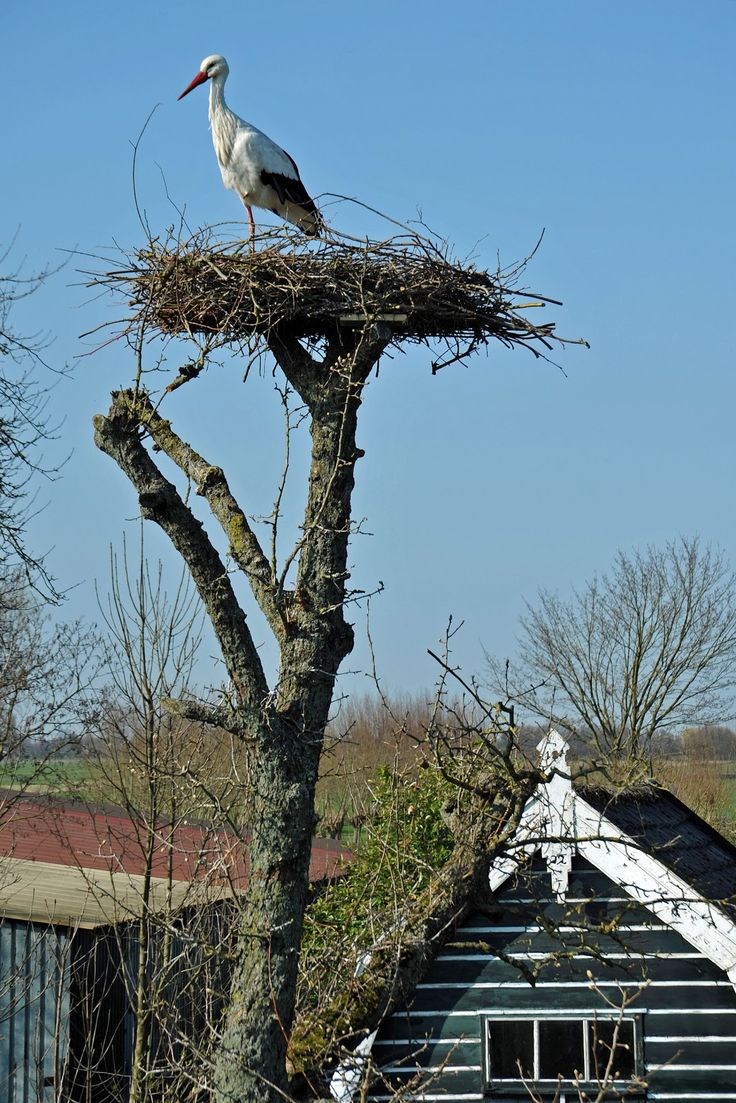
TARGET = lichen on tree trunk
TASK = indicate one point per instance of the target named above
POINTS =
(252, 1051)
(284, 724)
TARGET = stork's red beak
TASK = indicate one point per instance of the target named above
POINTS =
(199, 79)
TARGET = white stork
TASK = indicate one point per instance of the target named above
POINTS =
(262, 173)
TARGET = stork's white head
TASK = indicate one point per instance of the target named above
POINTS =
(212, 66)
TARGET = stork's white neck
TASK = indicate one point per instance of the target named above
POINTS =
(217, 95)
(224, 126)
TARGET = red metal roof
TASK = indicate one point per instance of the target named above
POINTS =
(68, 833)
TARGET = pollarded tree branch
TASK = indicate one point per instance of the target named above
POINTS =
(119, 435)
(212, 485)
(332, 476)
(216, 716)
(352, 303)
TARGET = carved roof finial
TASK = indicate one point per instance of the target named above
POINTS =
(553, 750)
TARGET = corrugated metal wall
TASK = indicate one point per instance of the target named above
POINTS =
(98, 1065)
(34, 1011)
(67, 1028)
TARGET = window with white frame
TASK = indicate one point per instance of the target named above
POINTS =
(576, 1048)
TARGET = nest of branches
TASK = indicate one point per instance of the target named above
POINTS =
(235, 293)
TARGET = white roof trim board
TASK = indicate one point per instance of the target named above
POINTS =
(559, 822)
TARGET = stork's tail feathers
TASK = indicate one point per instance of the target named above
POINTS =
(308, 219)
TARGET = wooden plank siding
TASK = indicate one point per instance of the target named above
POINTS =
(686, 1005)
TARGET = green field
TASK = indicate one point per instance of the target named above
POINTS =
(60, 777)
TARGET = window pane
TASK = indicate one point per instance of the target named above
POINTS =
(510, 1041)
(604, 1034)
(561, 1049)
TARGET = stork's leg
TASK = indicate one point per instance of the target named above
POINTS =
(251, 223)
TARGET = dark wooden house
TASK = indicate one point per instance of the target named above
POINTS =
(75, 881)
(599, 962)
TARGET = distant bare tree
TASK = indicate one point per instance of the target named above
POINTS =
(710, 742)
(139, 755)
(24, 423)
(46, 671)
(47, 674)
(650, 645)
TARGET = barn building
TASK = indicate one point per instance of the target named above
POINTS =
(74, 882)
(598, 962)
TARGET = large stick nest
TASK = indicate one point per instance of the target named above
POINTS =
(234, 294)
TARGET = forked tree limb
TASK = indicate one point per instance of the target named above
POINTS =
(359, 350)
(212, 485)
(119, 435)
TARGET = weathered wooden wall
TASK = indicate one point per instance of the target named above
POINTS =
(687, 1005)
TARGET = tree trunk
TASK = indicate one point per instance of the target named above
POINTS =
(251, 1062)
(260, 1012)
(285, 726)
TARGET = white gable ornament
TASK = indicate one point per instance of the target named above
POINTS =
(556, 798)
(558, 822)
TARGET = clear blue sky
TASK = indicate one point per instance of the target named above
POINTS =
(610, 125)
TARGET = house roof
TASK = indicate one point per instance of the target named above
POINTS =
(639, 840)
(80, 864)
(666, 828)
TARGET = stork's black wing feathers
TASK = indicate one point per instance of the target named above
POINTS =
(290, 190)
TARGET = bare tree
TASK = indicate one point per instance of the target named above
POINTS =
(711, 742)
(174, 779)
(325, 318)
(651, 645)
(47, 675)
(24, 423)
